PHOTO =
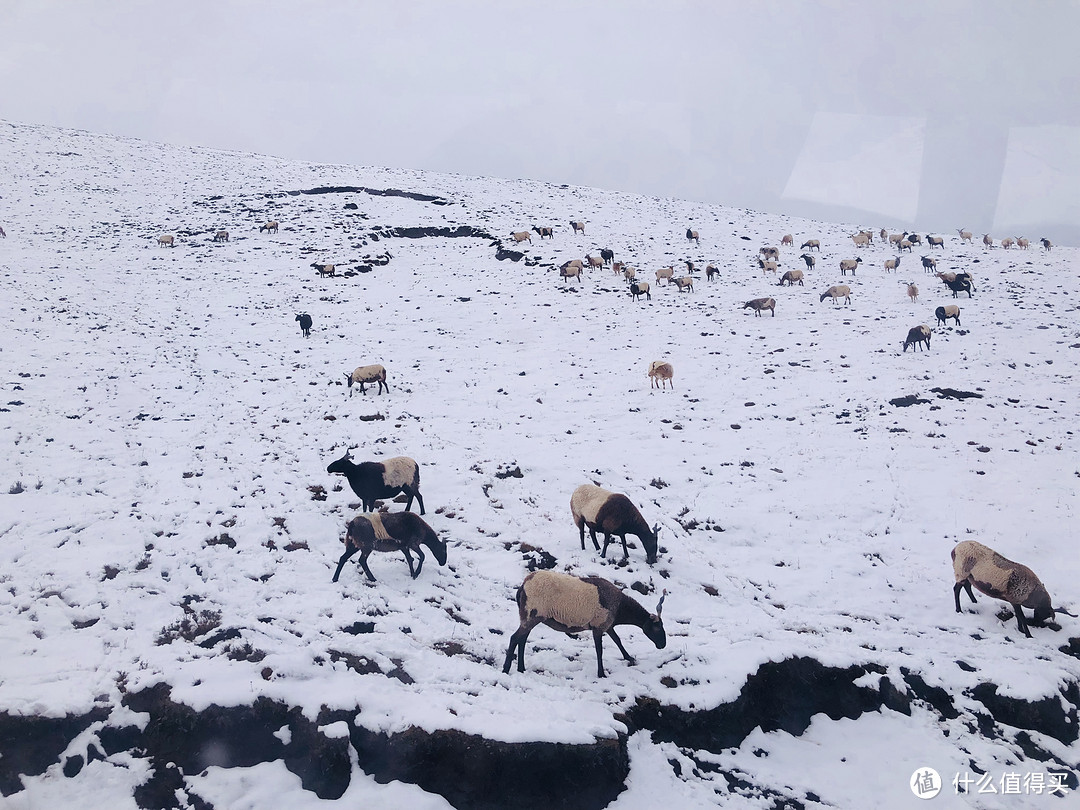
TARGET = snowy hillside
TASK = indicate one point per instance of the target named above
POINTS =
(167, 519)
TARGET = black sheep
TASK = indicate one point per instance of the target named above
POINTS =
(373, 480)
(305, 324)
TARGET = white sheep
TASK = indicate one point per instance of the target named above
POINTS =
(572, 604)
(1022, 243)
(367, 374)
(629, 274)
(836, 292)
(521, 236)
(905, 244)
(913, 293)
(665, 273)
(168, 240)
(661, 374)
(849, 264)
(987, 241)
(595, 508)
(759, 304)
(594, 261)
(965, 236)
(571, 270)
(861, 239)
(770, 253)
(1007, 242)
(896, 238)
(787, 240)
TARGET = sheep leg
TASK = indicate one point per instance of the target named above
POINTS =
(1020, 621)
(581, 531)
(625, 551)
(349, 551)
(517, 642)
(419, 560)
(595, 542)
(363, 564)
(618, 643)
(607, 540)
(598, 639)
(413, 493)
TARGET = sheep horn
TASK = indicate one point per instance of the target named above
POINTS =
(660, 604)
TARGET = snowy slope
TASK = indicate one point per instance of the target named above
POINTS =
(164, 423)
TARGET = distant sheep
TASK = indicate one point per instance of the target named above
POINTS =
(892, 264)
(861, 239)
(913, 293)
(1046, 243)
(615, 515)
(1022, 243)
(849, 264)
(944, 313)
(711, 271)
(914, 238)
(367, 374)
(1007, 242)
(918, 335)
(578, 227)
(618, 267)
(836, 292)
(896, 238)
(221, 236)
(883, 235)
(759, 304)
(768, 266)
(792, 276)
(690, 268)
(269, 227)
(962, 283)
(665, 273)
(987, 241)
(376, 480)
(787, 240)
(684, 284)
(629, 274)
(2, 234)
(168, 240)
(770, 253)
(1001, 578)
(594, 261)
(607, 255)
(905, 244)
(929, 265)
(965, 236)
(692, 236)
(572, 604)
(638, 289)
(545, 231)
(390, 531)
(810, 261)
(811, 244)
(935, 241)
(521, 236)
(661, 375)
(570, 270)
(329, 270)
(305, 324)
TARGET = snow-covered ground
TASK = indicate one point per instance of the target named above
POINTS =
(165, 425)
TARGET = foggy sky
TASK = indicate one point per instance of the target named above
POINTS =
(934, 113)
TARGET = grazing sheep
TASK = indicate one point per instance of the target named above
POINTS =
(962, 283)
(572, 604)
(390, 531)
(770, 253)
(944, 313)
(325, 269)
(578, 226)
(685, 284)
(1046, 243)
(629, 274)
(166, 240)
(594, 261)
(758, 304)
(368, 374)
(305, 324)
(965, 236)
(892, 264)
(710, 271)
(1000, 578)
(790, 277)
(665, 273)
(787, 240)
(615, 515)
(768, 266)
(521, 236)
(1007, 242)
(638, 289)
(987, 241)
(545, 231)
(811, 244)
(269, 227)
(913, 293)
(918, 335)
(849, 264)
(221, 236)
(570, 270)
(1022, 243)
(374, 480)
(906, 244)
(836, 292)
(861, 239)
(929, 265)
(661, 375)
(607, 255)
(692, 236)
(810, 261)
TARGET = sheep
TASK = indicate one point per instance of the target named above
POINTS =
(1046, 243)
(914, 238)
(918, 335)
(367, 374)
(685, 284)
(305, 324)
(1022, 243)
(629, 274)
(791, 276)
(578, 226)
(1007, 242)
(690, 269)
(810, 261)
(913, 293)
(573, 263)
(768, 266)
(962, 283)
(390, 531)
(965, 236)
(618, 267)
(607, 254)
(758, 304)
(615, 515)
(665, 273)
(545, 231)
(373, 480)
(811, 244)
(944, 313)
(594, 261)
(836, 292)
(861, 239)
(269, 227)
(710, 271)
(572, 604)
(521, 236)
(692, 236)
(929, 265)
(221, 236)
(935, 241)
(906, 245)
(849, 264)
(787, 240)
(892, 264)
(168, 240)
(638, 289)
(999, 578)
(987, 241)
(570, 270)
(661, 375)
(325, 269)
(770, 253)
(896, 238)
(883, 235)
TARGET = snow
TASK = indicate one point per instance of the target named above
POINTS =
(163, 423)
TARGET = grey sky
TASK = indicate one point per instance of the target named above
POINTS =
(954, 112)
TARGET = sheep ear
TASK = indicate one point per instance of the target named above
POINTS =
(660, 604)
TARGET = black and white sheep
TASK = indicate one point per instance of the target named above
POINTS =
(572, 604)
(545, 231)
(935, 241)
(638, 289)
(613, 514)
(374, 480)
(918, 335)
(892, 264)
(305, 324)
(692, 236)
(810, 261)
(929, 264)
(944, 313)
(711, 271)
(849, 264)
(1000, 578)
(1046, 243)
(759, 304)
(578, 226)
(962, 283)
(362, 375)
(769, 253)
(684, 284)
(390, 531)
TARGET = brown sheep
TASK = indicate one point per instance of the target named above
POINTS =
(168, 240)
(918, 335)
(811, 244)
(787, 240)
(269, 227)
(221, 236)
(758, 304)
(661, 374)
(790, 277)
